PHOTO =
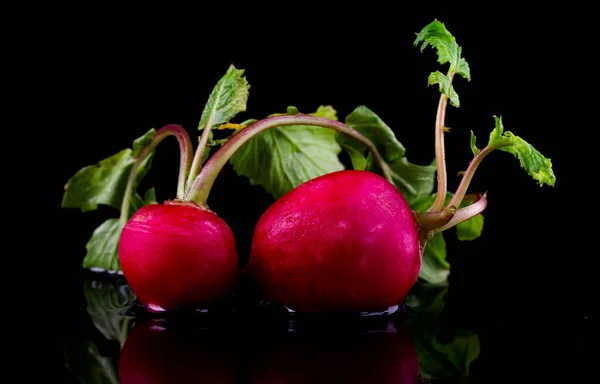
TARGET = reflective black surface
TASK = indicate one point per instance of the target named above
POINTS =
(262, 343)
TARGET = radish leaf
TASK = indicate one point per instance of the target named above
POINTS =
(280, 159)
(102, 247)
(473, 144)
(227, 99)
(470, 229)
(536, 165)
(434, 267)
(105, 183)
(448, 51)
(414, 181)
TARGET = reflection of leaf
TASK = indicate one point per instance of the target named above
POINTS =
(93, 356)
(106, 303)
(438, 360)
(426, 298)
(86, 363)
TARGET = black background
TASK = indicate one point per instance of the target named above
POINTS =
(525, 286)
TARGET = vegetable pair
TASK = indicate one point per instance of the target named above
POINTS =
(334, 240)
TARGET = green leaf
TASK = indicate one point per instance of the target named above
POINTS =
(227, 99)
(434, 267)
(372, 126)
(448, 50)
(473, 143)
(413, 181)
(281, 158)
(102, 247)
(470, 229)
(150, 197)
(536, 165)
(142, 141)
(105, 182)
(445, 87)
(357, 158)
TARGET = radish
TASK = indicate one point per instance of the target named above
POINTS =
(343, 241)
(349, 241)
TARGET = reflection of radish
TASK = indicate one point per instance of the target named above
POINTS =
(336, 357)
(343, 241)
(153, 354)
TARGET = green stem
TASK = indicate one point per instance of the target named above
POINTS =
(440, 152)
(468, 176)
(198, 156)
(185, 161)
(200, 189)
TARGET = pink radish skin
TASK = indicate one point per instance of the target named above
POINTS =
(177, 255)
(345, 241)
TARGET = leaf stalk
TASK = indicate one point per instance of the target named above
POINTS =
(200, 189)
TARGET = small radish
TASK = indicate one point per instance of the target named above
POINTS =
(177, 254)
(344, 241)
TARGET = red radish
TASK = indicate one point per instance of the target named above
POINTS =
(348, 241)
(177, 255)
(345, 241)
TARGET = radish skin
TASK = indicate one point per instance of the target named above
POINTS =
(178, 254)
(344, 241)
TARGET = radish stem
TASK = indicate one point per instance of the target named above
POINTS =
(199, 190)
(464, 214)
(185, 161)
(435, 219)
(468, 176)
(440, 152)
(197, 162)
